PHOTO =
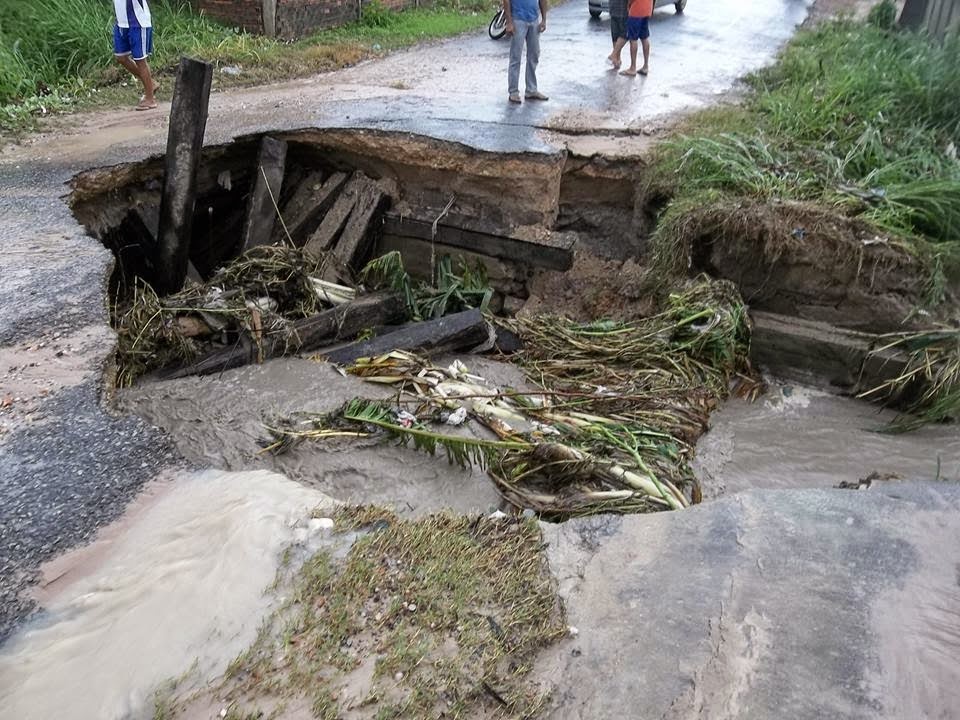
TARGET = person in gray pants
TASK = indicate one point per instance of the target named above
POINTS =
(618, 30)
(526, 19)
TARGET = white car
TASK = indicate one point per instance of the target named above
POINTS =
(600, 6)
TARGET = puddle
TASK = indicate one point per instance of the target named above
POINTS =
(797, 437)
(218, 420)
(178, 587)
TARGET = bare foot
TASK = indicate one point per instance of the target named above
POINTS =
(630, 72)
(615, 61)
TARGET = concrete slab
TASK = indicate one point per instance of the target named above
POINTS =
(772, 604)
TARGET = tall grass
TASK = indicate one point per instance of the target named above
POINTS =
(852, 115)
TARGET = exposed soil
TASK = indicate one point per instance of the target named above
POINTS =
(806, 261)
(593, 288)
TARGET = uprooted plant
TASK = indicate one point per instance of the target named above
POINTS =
(929, 386)
(611, 428)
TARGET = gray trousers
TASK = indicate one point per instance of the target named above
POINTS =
(529, 33)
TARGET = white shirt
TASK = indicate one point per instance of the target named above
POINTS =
(132, 13)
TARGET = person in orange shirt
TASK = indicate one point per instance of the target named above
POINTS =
(638, 28)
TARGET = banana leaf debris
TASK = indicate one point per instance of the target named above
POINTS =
(610, 427)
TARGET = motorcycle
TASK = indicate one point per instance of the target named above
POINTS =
(498, 26)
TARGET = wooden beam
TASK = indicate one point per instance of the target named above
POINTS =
(310, 202)
(326, 235)
(463, 330)
(267, 182)
(552, 254)
(188, 122)
(359, 234)
(340, 323)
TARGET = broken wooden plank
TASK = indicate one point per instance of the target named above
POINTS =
(267, 182)
(463, 330)
(329, 230)
(188, 122)
(553, 253)
(359, 234)
(820, 354)
(348, 320)
(310, 202)
(340, 323)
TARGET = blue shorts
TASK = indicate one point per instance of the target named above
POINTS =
(136, 42)
(638, 28)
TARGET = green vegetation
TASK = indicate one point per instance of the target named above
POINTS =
(447, 293)
(56, 55)
(854, 118)
(440, 616)
(611, 429)
(929, 387)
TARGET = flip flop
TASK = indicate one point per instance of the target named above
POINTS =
(156, 89)
(642, 72)
(515, 99)
(143, 106)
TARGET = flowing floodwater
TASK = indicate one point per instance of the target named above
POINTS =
(798, 437)
(177, 585)
(221, 421)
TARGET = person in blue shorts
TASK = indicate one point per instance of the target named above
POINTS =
(133, 44)
(638, 28)
(526, 19)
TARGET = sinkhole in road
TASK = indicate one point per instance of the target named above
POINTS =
(508, 228)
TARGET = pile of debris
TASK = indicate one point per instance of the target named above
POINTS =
(301, 283)
(611, 427)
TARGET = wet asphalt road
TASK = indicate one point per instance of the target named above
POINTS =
(456, 89)
(66, 464)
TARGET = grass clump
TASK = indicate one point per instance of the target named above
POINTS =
(258, 295)
(56, 55)
(440, 616)
(928, 388)
(853, 117)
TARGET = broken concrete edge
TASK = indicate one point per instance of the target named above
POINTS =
(815, 353)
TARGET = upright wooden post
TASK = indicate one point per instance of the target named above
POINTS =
(262, 206)
(188, 121)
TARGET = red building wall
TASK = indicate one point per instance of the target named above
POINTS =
(294, 18)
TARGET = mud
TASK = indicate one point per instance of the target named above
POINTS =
(801, 260)
(218, 421)
(594, 287)
(797, 437)
(177, 587)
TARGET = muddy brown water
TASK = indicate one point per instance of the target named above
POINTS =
(179, 583)
(220, 421)
(800, 437)
(178, 586)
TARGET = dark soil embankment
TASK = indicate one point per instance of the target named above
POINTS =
(806, 261)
